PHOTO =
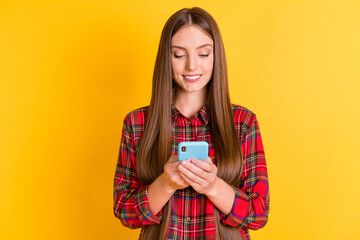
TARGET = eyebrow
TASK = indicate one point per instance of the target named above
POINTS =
(204, 45)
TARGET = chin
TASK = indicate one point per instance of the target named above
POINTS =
(192, 90)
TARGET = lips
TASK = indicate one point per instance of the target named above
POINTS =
(192, 78)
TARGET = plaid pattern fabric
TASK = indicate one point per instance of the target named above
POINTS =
(192, 214)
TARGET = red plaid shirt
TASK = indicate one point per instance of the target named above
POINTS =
(192, 214)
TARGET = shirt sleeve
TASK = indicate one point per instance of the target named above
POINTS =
(131, 205)
(251, 204)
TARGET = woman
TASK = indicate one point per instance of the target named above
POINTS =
(218, 198)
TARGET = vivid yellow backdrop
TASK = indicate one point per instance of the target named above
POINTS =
(71, 70)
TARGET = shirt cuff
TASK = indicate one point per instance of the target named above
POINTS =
(239, 210)
(142, 208)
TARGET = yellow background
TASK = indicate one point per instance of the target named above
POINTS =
(71, 70)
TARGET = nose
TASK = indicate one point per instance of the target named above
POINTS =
(191, 62)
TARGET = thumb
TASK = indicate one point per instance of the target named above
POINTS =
(173, 158)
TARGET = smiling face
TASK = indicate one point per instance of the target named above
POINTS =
(192, 59)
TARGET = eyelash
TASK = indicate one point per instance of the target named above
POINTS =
(202, 55)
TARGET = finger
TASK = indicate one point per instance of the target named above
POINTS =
(189, 181)
(173, 158)
(179, 180)
(204, 164)
(193, 177)
(194, 169)
(171, 166)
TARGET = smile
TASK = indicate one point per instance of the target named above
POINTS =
(192, 78)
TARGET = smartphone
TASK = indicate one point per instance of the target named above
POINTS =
(197, 149)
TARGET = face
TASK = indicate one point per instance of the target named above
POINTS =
(192, 58)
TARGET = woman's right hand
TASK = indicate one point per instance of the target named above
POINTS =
(172, 175)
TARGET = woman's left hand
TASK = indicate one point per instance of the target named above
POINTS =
(200, 174)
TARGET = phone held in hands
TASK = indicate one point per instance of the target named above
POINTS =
(196, 149)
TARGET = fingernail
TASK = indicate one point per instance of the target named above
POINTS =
(193, 161)
(183, 162)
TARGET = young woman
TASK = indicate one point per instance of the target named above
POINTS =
(218, 198)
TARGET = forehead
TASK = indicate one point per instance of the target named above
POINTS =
(191, 36)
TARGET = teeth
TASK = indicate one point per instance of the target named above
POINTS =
(193, 77)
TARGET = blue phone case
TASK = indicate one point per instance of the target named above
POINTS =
(198, 150)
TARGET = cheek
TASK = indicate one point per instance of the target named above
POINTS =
(174, 71)
(176, 66)
(210, 65)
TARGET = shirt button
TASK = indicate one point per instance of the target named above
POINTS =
(188, 219)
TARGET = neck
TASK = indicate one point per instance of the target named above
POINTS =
(189, 103)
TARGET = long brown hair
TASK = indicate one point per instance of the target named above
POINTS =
(155, 145)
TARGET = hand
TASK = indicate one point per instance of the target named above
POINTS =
(200, 174)
(172, 176)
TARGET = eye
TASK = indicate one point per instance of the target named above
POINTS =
(201, 55)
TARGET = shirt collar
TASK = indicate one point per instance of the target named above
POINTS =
(203, 112)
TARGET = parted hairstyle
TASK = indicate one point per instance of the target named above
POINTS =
(155, 145)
